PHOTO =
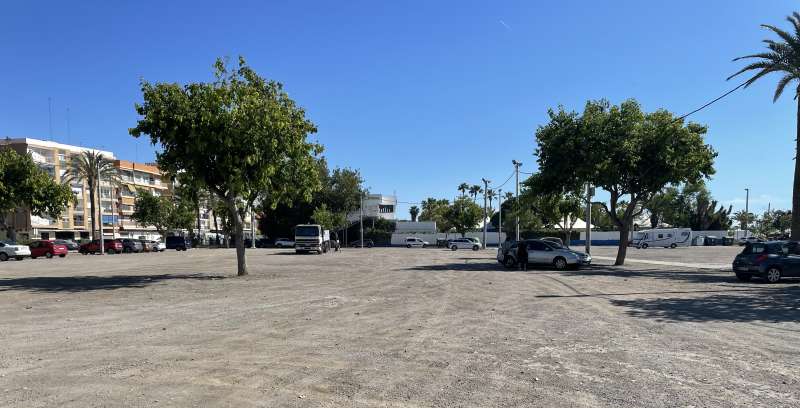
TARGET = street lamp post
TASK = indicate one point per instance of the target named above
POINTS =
(746, 210)
(485, 212)
(499, 214)
(516, 202)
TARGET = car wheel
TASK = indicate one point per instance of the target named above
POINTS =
(3, 256)
(475, 247)
(773, 275)
(644, 246)
(453, 248)
(744, 277)
(62, 255)
(48, 255)
(33, 257)
(673, 246)
(560, 263)
(509, 262)
(408, 246)
(424, 245)
(20, 258)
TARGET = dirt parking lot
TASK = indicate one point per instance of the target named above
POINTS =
(392, 327)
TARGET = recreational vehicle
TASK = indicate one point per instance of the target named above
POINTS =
(662, 237)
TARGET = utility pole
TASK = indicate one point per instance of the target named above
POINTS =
(485, 211)
(746, 210)
(361, 220)
(100, 213)
(588, 218)
(499, 214)
(516, 171)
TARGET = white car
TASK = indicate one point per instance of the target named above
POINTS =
(159, 246)
(284, 243)
(412, 242)
(465, 243)
(10, 250)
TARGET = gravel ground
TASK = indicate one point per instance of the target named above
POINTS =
(392, 327)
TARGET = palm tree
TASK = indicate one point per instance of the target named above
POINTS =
(92, 167)
(463, 187)
(783, 56)
(490, 195)
(474, 191)
(414, 211)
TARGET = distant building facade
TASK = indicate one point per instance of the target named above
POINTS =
(378, 206)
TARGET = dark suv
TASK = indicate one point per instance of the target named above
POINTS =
(179, 243)
(131, 245)
(768, 260)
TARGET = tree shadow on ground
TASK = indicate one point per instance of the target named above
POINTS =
(781, 304)
(673, 273)
(90, 283)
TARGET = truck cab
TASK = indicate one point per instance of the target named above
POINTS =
(311, 238)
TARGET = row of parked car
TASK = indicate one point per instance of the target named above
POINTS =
(62, 247)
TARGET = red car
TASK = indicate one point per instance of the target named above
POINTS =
(112, 246)
(47, 249)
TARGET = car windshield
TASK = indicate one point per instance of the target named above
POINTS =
(306, 231)
(554, 245)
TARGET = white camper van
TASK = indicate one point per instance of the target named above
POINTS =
(662, 237)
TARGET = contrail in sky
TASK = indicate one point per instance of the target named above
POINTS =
(505, 25)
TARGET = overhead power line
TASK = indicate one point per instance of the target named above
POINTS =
(712, 102)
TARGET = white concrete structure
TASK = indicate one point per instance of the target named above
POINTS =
(376, 205)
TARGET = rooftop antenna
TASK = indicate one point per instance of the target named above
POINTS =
(50, 116)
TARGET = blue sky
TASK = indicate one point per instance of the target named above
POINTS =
(420, 95)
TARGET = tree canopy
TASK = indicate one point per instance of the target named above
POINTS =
(463, 215)
(241, 137)
(24, 185)
(627, 152)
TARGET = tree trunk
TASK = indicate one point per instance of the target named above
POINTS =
(796, 189)
(623, 243)
(92, 208)
(238, 227)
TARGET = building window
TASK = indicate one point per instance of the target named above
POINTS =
(77, 220)
(385, 209)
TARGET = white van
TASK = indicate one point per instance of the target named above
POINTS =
(662, 237)
(416, 242)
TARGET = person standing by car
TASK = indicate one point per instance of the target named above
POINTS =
(522, 255)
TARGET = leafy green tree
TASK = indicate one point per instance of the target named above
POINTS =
(664, 205)
(241, 137)
(413, 211)
(436, 210)
(92, 168)
(328, 219)
(463, 188)
(782, 57)
(24, 185)
(782, 220)
(165, 213)
(629, 153)
(463, 215)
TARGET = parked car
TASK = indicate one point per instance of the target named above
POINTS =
(770, 261)
(131, 245)
(179, 243)
(748, 240)
(367, 244)
(70, 244)
(555, 240)
(158, 246)
(147, 246)
(112, 246)
(284, 243)
(416, 242)
(9, 249)
(47, 249)
(465, 243)
(544, 253)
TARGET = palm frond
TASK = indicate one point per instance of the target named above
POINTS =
(771, 56)
(788, 38)
(762, 65)
(782, 84)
